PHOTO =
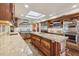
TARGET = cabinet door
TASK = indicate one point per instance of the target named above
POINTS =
(5, 11)
(45, 45)
(36, 40)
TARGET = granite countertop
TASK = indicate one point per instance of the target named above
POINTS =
(53, 37)
(13, 45)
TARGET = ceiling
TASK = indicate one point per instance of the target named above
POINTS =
(46, 10)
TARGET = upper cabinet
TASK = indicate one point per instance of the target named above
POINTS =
(44, 26)
(6, 11)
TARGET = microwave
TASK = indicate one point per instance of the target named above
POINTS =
(57, 25)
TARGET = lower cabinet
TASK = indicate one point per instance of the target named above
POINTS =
(42, 44)
(35, 40)
(46, 46)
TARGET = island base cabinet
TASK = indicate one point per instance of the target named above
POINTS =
(55, 49)
(35, 40)
(46, 46)
(58, 49)
(25, 36)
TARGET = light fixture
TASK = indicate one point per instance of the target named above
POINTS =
(22, 15)
(34, 15)
(50, 15)
(74, 6)
(26, 6)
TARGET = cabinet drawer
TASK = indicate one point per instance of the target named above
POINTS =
(45, 47)
(45, 44)
(36, 38)
(45, 51)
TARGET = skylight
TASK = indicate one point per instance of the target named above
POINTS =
(35, 15)
(42, 16)
(31, 17)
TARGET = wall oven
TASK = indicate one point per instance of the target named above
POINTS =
(71, 29)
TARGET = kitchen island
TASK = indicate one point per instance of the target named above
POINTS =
(49, 44)
(12, 44)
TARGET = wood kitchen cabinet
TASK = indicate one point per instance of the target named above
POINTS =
(42, 44)
(46, 46)
(7, 12)
(36, 40)
(34, 27)
(25, 36)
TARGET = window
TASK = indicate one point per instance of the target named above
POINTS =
(3, 28)
(0, 28)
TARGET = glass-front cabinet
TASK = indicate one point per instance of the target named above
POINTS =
(4, 28)
(0, 28)
(44, 27)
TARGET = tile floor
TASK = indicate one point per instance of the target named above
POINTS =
(35, 51)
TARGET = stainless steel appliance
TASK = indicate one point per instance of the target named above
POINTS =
(71, 29)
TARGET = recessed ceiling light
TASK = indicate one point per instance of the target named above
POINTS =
(26, 6)
(50, 15)
(22, 15)
(74, 6)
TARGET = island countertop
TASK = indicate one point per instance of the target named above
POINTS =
(53, 37)
(13, 45)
